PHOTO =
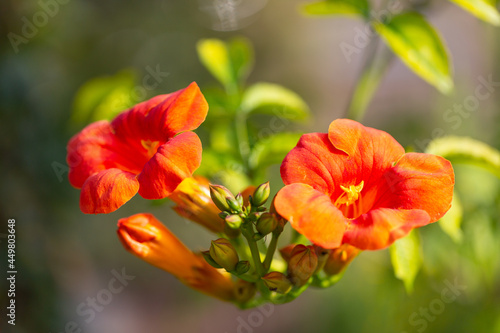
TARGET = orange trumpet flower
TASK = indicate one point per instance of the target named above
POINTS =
(148, 149)
(355, 185)
(146, 237)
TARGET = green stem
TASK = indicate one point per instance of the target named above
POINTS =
(248, 233)
(240, 121)
(373, 71)
(270, 251)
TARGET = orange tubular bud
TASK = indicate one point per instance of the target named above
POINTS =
(302, 264)
(147, 238)
(340, 258)
(193, 201)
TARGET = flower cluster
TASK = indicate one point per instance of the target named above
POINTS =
(348, 190)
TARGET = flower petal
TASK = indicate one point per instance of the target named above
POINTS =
(96, 148)
(173, 162)
(381, 227)
(106, 191)
(312, 214)
(419, 181)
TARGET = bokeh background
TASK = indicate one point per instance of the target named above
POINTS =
(63, 256)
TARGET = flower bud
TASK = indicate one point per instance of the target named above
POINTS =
(147, 238)
(340, 258)
(242, 267)
(233, 221)
(192, 198)
(286, 252)
(234, 204)
(277, 282)
(266, 223)
(302, 264)
(219, 193)
(261, 195)
(323, 255)
(209, 260)
(224, 254)
(244, 291)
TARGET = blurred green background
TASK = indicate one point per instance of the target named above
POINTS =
(63, 257)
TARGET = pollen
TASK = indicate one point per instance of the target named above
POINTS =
(351, 194)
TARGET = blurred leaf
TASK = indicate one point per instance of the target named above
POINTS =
(103, 97)
(406, 258)
(223, 168)
(419, 46)
(269, 98)
(483, 9)
(272, 150)
(214, 56)
(223, 137)
(338, 7)
(451, 221)
(242, 57)
(466, 150)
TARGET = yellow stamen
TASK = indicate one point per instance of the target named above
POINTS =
(350, 195)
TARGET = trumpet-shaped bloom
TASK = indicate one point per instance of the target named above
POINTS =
(146, 237)
(147, 149)
(356, 185)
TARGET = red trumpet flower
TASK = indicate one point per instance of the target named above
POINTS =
(356, 185)
(147, 149)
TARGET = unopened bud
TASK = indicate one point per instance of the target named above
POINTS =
(340, 258)
(277, 282)
(323, 255)
(224, 254)
(261, 195)
(244, 291)
(266, 223)
(233, 221)
(302, 264)
(219, 193)
(239, 198)
(209, 260)
(242, 267)
(286, 252)
(234, 204)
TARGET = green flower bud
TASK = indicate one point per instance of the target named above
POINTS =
(208, 258)
(242, 267)
(219, 193)
(302, 264)
(224, 254)
(266, 223)
(234, 221)
(261, 194)
(233, 204)
(277, 282)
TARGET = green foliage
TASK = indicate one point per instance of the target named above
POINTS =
(338, 7)
(466, 150)
(419, 46)
(452, 220)
(406, 258)
(103, 98)
(229, 63)
(269, 98)
(272, 150)
(483, 9)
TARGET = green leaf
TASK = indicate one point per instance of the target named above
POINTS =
(214, 56)
(242, 57)
(272, 150)
(451, 221)
(419, 46)
(467, 150)
(269, 98)
(483, 9)
(338, 7)
(406, 258)
(103, 97)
